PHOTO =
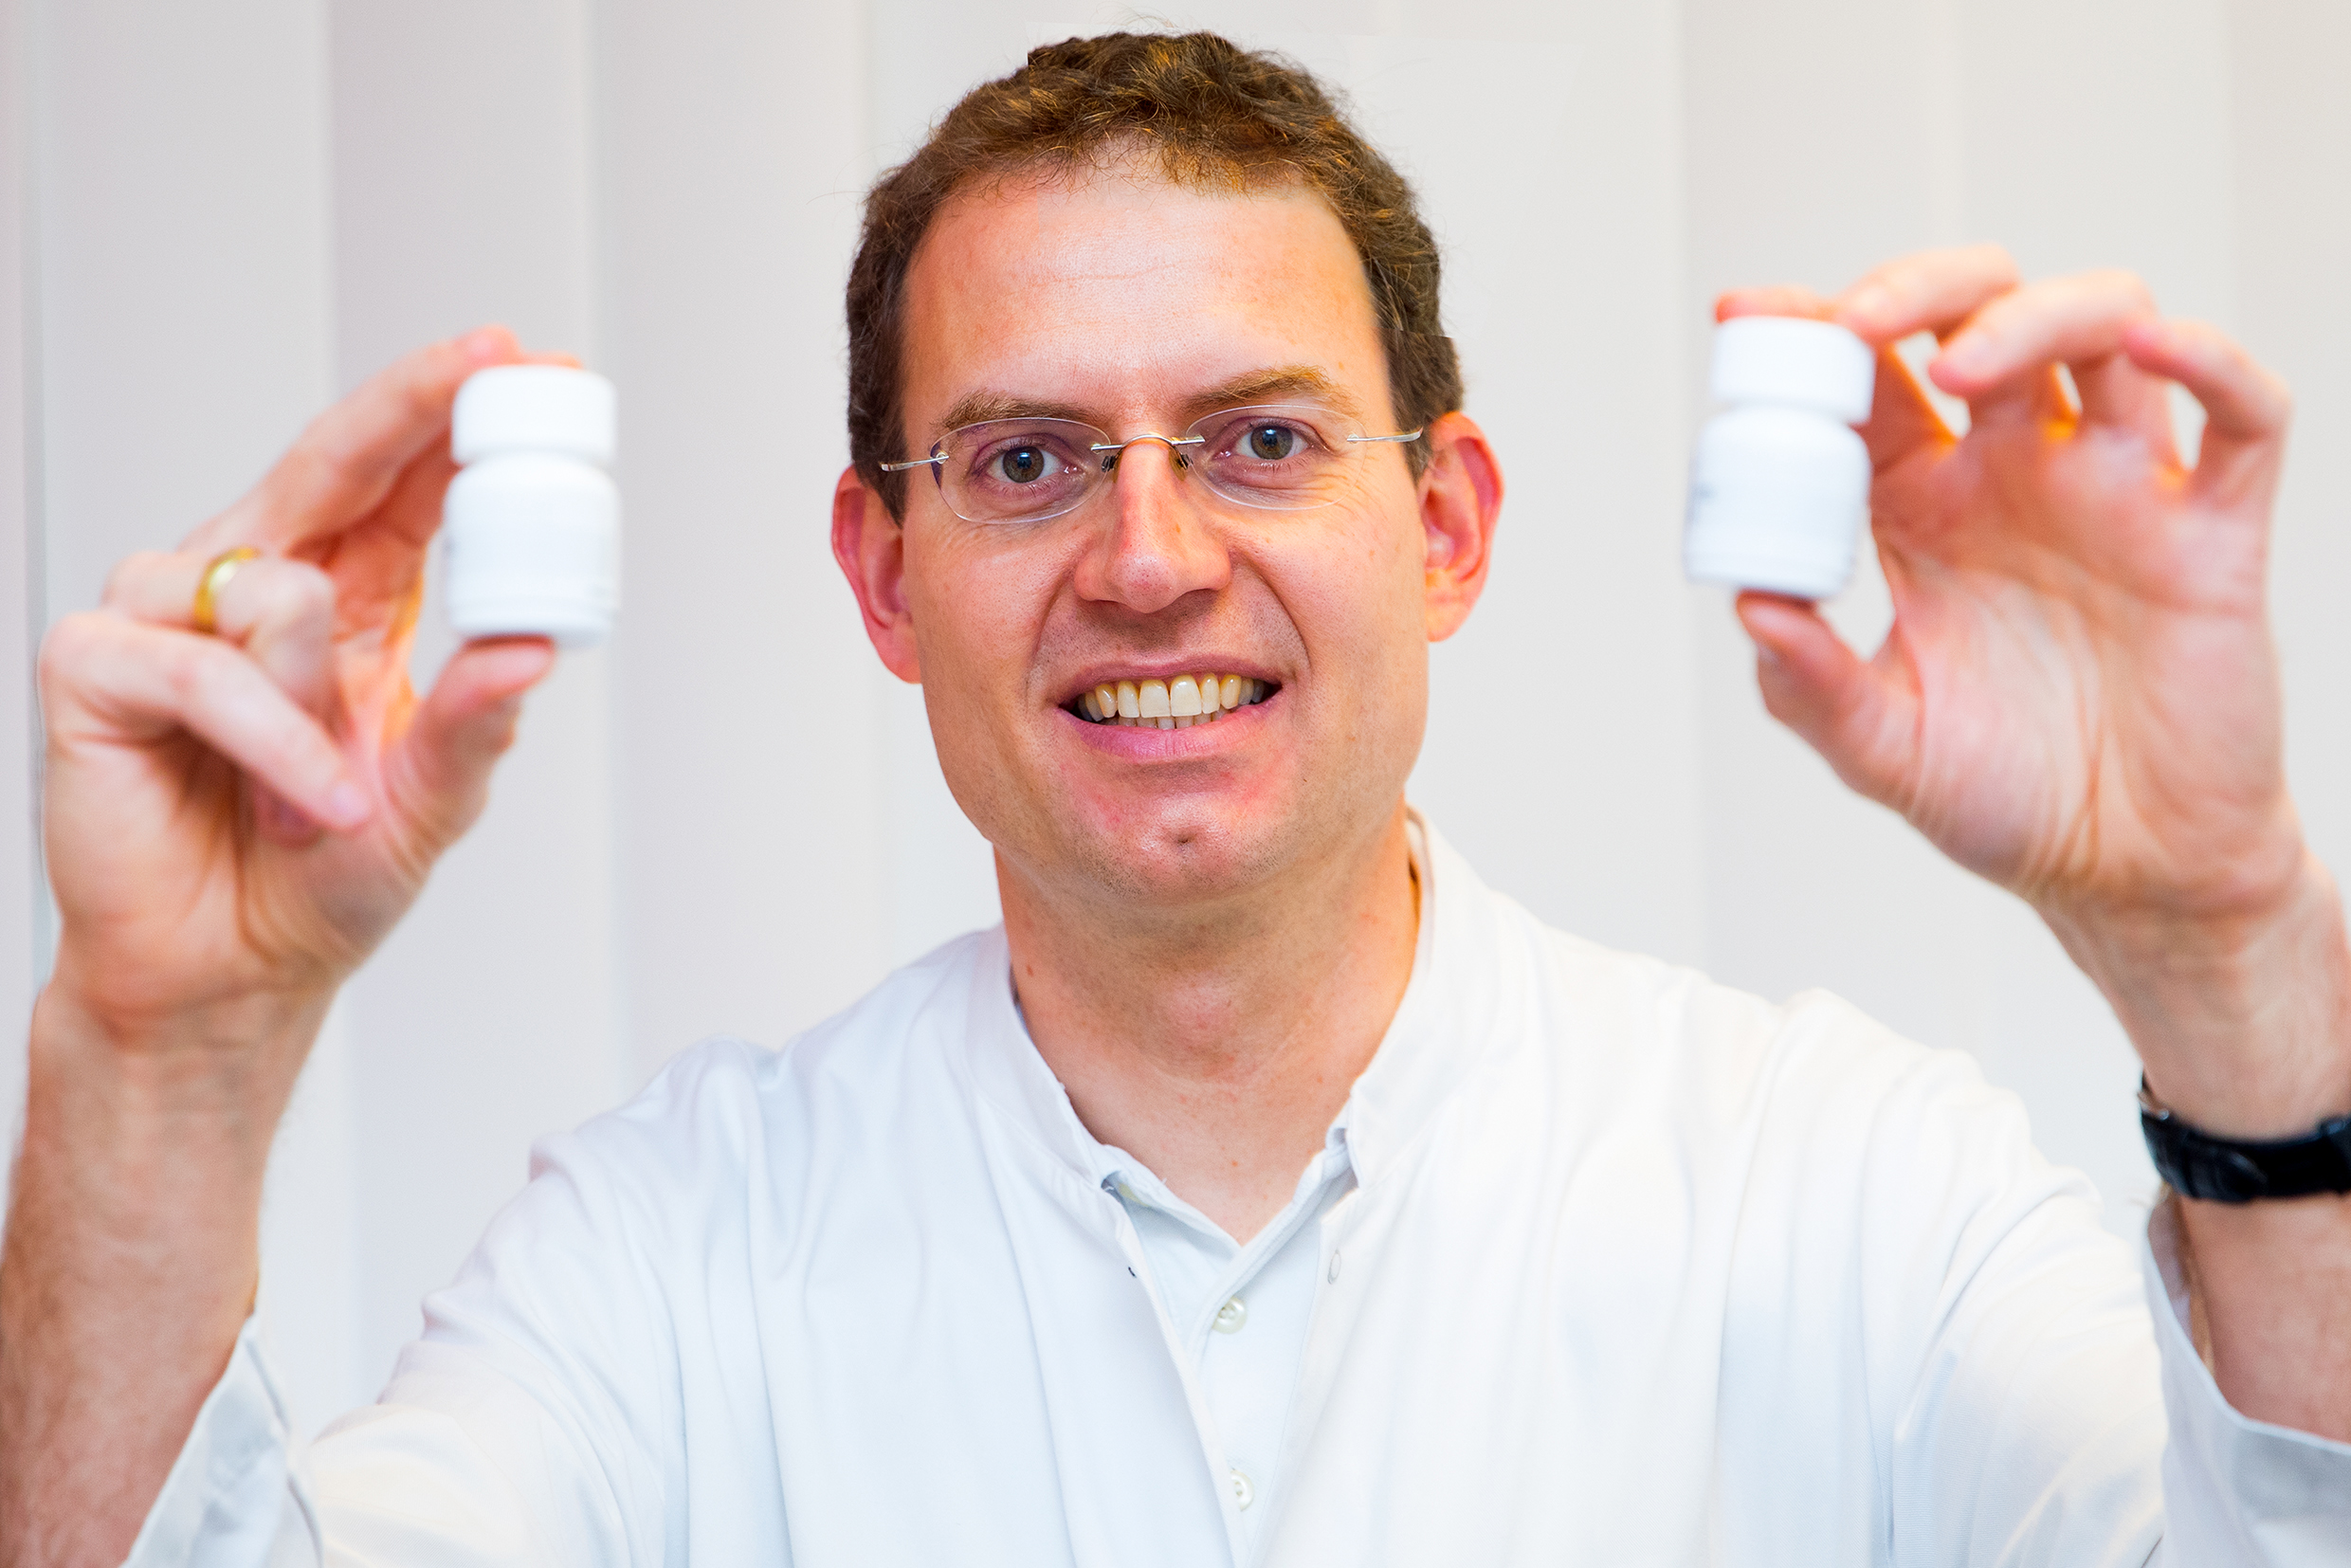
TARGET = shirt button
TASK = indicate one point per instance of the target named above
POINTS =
(1334, 1267)
(1230, 1316)
(1242, 1493)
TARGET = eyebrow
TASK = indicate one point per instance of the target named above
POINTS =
(978, 408)
(1274, 386)
(1271, 384)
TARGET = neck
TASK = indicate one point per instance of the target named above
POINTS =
(1227, 1038)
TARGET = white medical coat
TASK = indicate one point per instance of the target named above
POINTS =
(1638, 1271)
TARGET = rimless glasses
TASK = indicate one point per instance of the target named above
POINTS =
(1279, 457)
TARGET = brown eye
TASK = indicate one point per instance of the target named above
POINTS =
(1273, 442)
(1022, 465)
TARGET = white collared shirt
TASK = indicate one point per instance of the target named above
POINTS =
(1623, 1268)
(1240, 1312)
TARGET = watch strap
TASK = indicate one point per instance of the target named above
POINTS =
(2196, 1164)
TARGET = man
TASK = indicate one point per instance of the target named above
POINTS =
(1266, 1188)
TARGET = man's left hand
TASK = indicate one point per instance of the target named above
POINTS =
(2079, 697)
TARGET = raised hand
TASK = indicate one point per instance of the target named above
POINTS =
(244, 814)
(2079, 700)
(2079, 696)
(232, 821)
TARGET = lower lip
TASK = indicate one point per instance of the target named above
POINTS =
(1141, 743)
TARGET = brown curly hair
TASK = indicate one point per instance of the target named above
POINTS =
(1216, 114)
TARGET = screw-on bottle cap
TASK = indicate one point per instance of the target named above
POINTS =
(1786, 359)
(532, 409)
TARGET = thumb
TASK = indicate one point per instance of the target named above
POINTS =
(440, 770)
(1860, 719)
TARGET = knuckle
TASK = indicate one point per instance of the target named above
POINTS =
(2198, 337)
(292, 593)
(309, 462)
(1997, 263)
(424, 395)
(71, 644)
(330, 455)
(2125, 288)
(194, 671)
(414, 389)
(123, 579)
(311, 590)
(2281, 399)
(1905, 277)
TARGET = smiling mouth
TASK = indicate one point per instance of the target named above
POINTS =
(1176, 704)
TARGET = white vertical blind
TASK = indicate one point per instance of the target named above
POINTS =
(464, 140)
(758, 847)
(730, 821)
(1825, 135)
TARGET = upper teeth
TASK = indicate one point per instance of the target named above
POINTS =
(1177, 704)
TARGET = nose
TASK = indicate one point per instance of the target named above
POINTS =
(1158, 546)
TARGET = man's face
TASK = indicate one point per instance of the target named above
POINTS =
(1138, 306)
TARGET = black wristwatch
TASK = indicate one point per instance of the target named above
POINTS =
(2196, 1164)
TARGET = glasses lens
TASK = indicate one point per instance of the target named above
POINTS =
(1282, 457)
(1018, 470)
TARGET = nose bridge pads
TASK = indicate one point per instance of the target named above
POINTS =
(1110, 454)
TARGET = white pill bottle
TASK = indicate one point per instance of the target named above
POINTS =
(1780, 492)
(532, 524)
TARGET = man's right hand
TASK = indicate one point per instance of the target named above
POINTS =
(244, 814)
(232, 821)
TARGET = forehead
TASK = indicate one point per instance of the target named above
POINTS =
(1121, 292)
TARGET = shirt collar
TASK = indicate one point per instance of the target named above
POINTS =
(1449, 1011)
(1444, 1018)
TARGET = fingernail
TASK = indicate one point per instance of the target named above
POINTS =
(484, 344)
(347, 806)
(1966, 355)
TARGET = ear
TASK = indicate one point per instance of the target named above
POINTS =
(1460, 506)
(871, 547)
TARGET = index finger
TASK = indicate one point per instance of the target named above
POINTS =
(1931, 292)
(351, 456)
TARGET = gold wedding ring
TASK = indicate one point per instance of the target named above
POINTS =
(209, 587)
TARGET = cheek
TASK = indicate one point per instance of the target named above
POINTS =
(1386, 570)
(975, 615)
(1355, 594)
(975, 611)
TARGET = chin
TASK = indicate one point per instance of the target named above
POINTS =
(1187, 853)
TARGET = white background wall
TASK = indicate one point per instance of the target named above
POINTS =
(214, 218)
